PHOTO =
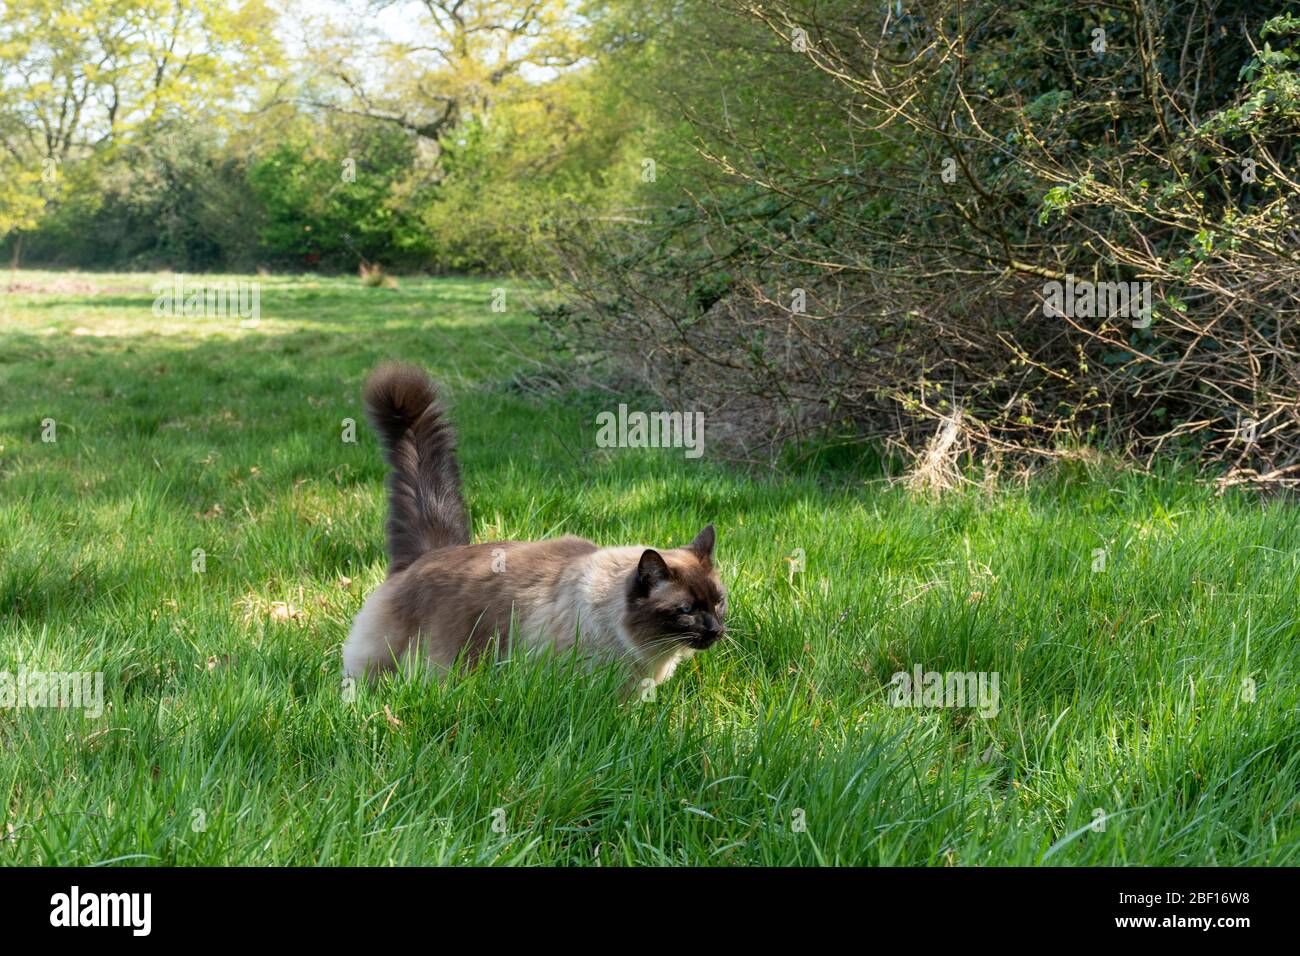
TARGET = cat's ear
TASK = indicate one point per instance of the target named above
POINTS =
(650, 570)
(702, 546)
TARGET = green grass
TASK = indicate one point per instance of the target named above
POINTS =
(226, 738)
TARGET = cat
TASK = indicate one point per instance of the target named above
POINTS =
(445, 599)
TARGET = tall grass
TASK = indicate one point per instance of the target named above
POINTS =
(1147, 713)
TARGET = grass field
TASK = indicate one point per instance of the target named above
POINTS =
(1147, 713)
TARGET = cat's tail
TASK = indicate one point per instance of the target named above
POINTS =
(425, 508)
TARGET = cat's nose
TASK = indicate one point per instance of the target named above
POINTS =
(706, 640)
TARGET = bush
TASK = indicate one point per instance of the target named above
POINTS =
(874, 235)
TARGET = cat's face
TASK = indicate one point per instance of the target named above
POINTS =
(676, 596)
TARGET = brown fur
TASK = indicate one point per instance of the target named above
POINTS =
(654, 614)
(425, 509)
(459, 603)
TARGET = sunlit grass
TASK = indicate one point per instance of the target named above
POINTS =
(1125, 691)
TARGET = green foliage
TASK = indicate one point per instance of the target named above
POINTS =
(171, 201)
(561, 154)
(460, 161)
(329, 196)
(919, 174)
(20, 196)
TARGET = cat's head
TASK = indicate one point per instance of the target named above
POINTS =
(675, 596)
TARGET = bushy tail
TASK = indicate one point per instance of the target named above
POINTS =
(425, 508)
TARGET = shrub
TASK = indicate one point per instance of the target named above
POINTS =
(891, 257)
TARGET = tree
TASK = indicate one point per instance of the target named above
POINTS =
(76, 76)
(471, 55)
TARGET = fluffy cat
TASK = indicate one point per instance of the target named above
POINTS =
(639, 607)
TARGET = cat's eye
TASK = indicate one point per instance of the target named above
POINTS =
(685, 609)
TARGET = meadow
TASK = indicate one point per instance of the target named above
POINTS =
(200, 531)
